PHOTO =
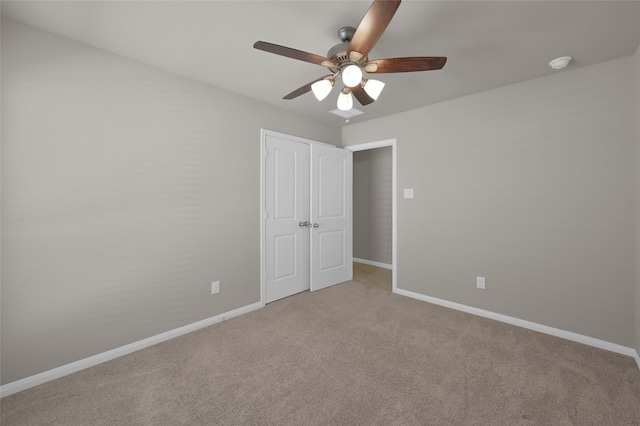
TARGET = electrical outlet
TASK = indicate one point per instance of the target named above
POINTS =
(215, 287)
(480, 282)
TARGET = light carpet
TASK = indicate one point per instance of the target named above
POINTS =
(348, 355)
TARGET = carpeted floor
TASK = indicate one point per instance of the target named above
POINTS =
(348, 355)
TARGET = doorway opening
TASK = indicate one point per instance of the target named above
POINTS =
(374, 213)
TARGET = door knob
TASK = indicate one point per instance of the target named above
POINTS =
(304, 224)
(316, 225)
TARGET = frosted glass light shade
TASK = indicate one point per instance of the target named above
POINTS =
(345, 101)
(373, 88)
(352, 75)
(321, 89)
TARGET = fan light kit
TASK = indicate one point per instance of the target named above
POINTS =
(351, 75)
(322, 88)
(373, 88)
(345, 101)
(559, 63)
(349, 60)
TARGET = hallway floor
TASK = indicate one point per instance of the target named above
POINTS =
(372, 275)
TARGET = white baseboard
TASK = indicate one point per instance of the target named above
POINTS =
(637, 358)
(372, 263)
(602, 344)
(38, 379)
(46, 376)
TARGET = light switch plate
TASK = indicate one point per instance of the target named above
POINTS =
(408, 193)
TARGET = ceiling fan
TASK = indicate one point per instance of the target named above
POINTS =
(350, 58)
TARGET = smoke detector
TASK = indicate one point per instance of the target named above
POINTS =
(559, 63)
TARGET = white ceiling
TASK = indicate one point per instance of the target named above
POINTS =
(488, 43)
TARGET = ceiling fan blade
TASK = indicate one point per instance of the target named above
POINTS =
(362, 96)
(294, 53)
(304, 89)
(371, 27)
(426, 63)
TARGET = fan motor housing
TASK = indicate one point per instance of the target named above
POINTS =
(338, 53)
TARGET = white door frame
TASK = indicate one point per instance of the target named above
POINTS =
(394, 257)
(263, 136)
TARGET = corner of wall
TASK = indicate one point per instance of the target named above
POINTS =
(636, 192)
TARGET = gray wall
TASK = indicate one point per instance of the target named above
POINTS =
(372, 205)
(361, 197)
(637, 194)
(529, 185)
(126, 190)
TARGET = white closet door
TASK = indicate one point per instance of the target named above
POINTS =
(331, 204)
(286, 207)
